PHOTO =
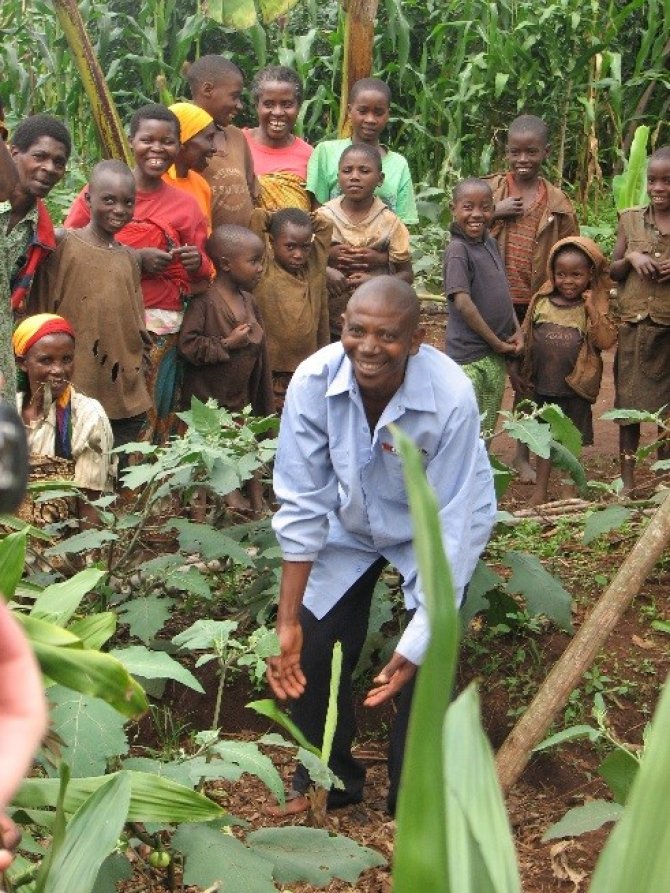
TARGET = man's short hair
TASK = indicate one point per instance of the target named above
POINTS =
(281, 74)
(280, 218)
(395, 292)
(31, 129)
(372, 153)
(529, 124)
(375, 84)
(154, 112)
(210, 68)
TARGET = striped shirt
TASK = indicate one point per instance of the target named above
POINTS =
(521, 233)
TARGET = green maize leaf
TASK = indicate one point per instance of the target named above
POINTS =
(92, 673)
(152, 799)
(479, 840)
(59, 601)
(331, 714)
(637, 854)
(155, 665)
(273, 9)
(420, 857)
(268, 707)
(12, 559)
(95, 630)
(90, 837)
(571, 734)
(41, 632)
(57, 831)
(630, 188)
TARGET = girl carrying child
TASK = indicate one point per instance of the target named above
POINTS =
(373, 239)
(566, 327)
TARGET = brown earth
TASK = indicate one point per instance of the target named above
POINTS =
(509, 668)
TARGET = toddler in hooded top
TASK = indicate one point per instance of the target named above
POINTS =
(368, 238)
(530, 216)
(641, 264)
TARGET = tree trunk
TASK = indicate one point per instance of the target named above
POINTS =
(359, 33)
(567, 672)
(107, 121)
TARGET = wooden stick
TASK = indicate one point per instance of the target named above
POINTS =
(567, 672)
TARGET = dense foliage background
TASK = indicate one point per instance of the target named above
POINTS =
(459, 71)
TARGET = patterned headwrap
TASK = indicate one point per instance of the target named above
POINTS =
(28, 333)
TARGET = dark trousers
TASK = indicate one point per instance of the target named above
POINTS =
(346, 622)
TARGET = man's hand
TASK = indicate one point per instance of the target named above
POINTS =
(284, 673)
(395, 675)
(9, 840)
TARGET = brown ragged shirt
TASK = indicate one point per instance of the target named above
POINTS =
(640, 297)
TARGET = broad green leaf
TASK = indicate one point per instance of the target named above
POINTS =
(312, 856)
(95, 630)
(149, 664)
(484, 580)
(146, 615)
(420, 857)
(543, 593)
(536, 435)
(92, 673)
(12, 559)
(273, 9)
(563, 429)
(269, 708)
(619, 770)
(82, 542)
(480, 846)
(59, 601)
(637, 854)
(319, 773)
(153, 799)
(190, 580)
(91, 730)
(605, 520)
(503, 475)
(90, 837)
(246, 757)
(500, 83)
(209, 542)
(561, 457)
(571, 734)
(114, 869)
(212, 856)
(206, 635)
(581, 819)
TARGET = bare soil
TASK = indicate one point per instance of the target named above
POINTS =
(629, 673)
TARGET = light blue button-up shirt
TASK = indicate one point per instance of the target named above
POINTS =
(341, 489)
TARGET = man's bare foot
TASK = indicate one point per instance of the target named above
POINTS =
(525, 471)
(294, 805)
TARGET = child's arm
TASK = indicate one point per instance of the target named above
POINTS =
(509, 207)
(403, 271)
(601, 327)
(474, 320)
(624, 261)
(201, 348)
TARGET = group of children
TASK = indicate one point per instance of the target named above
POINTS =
(172, 267)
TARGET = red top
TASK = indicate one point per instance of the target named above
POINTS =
(165, 218)
(290, 159)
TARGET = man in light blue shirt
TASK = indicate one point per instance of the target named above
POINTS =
(344, 512)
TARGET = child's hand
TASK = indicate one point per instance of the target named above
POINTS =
(154, 260)
(516, 342)
(338, 256)
(238, 338)
(664, 271)
(189, 256)
(512, 206)
(643, 264)
(362, 260)
(356, 279)
(336, 283)
(518, 382)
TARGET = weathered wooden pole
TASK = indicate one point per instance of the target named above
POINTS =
(580, 654)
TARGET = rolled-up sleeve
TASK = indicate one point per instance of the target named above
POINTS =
(305, 483)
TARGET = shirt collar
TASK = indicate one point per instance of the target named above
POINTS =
(30, 217)
(415, 392)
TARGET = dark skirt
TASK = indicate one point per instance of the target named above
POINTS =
(642, 367)
(577, 409)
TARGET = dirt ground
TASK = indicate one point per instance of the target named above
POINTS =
(628, 674)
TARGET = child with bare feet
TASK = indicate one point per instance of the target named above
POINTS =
(222, 339)
(566, 327)
(641, 264)
(368, 238)
(530, 216)
(483, 329)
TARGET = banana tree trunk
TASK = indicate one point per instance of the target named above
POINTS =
(359, 33)
(107, 121)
